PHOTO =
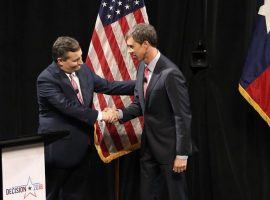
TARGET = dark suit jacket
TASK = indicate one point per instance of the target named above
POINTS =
(166, 112)
(59, 109)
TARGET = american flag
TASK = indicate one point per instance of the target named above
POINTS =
(109, 58)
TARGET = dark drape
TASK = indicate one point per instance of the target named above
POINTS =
(232, 140)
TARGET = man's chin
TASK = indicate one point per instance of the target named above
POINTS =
(77, 68)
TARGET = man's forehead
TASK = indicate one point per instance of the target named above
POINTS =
(130, 41)
(74, 54)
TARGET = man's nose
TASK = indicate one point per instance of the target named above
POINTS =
(80, 62)
(130, 50)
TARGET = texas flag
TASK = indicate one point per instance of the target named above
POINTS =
(255, 81)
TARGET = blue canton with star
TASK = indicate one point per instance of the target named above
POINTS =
(112, 10)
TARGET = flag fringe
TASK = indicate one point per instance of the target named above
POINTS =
(244, 93)
(113, 156)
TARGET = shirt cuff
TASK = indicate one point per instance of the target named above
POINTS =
(100, 117)
(120, 112)
(182, 157)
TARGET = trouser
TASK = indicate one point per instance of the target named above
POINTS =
(159, 181)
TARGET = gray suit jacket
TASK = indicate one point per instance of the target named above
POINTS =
(166, 112)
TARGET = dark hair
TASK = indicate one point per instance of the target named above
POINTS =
(62, 46)
(143, 32)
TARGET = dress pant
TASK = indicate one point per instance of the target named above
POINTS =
(55, 180)
(159, 181)
(69, 184)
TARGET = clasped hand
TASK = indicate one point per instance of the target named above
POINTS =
(110, 115)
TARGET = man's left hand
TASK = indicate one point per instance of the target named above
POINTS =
(180, 165)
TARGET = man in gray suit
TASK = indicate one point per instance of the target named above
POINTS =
(161, 96)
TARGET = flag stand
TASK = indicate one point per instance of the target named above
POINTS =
(116, 179)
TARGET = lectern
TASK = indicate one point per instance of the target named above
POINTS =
(23, 166)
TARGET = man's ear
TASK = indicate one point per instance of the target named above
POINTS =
(60, 61)
(146, 43)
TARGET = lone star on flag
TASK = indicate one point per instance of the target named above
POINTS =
(265, 11)
(30, 189)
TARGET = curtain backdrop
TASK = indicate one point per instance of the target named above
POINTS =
(233, 141)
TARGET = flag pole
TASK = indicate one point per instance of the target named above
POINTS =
(116, 179)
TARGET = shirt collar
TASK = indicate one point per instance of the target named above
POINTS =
(72, 74)
(152, 64)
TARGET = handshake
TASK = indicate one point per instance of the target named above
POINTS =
(110, 115)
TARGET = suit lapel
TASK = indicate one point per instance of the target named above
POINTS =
(66, 82)
(140, 78)
(155, 76)
(56, 71)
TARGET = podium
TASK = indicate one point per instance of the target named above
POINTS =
(23, 166)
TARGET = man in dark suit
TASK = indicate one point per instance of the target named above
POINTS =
(65, 96)
(161, 96)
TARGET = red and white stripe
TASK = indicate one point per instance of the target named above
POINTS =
(108, 57)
